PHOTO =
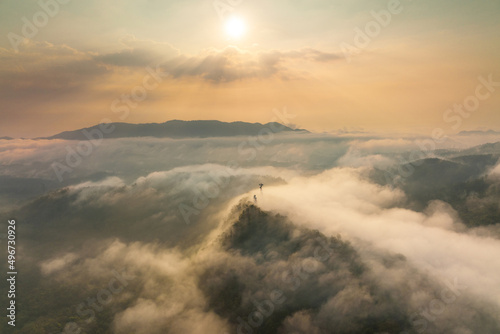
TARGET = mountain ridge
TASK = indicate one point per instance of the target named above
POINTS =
(177, 129)
(478, 132)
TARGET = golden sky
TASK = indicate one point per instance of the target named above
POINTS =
(366, 64)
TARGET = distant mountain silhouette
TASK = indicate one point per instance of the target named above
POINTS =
(6, 138)
(460, 182)
(478, 132)
(179, 129)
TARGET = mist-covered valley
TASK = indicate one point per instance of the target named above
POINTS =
(350, 233)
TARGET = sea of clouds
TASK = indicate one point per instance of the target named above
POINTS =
(164, 236)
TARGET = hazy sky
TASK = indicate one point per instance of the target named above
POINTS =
(84, 56)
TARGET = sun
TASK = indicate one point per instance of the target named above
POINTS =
(235, 27)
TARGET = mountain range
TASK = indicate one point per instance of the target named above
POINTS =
(179, 129)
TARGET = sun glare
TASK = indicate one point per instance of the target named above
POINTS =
(235, 27)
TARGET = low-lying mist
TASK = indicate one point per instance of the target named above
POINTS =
(347, 235)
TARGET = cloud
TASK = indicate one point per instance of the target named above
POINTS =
(319, 250)
(322, 283)
(232, 64)
(354, 158)
(138, 53)
(43, 81)
(343, 203)
(495, 173)
(41, 68)
(30, 158)
(54, 265)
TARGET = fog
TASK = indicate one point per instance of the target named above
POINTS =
(349, 234)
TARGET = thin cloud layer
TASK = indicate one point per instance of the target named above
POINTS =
(52, 67)
(232, 63)
(42, 68)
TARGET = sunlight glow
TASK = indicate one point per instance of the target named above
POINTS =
(235, 27)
